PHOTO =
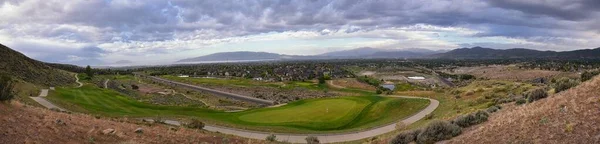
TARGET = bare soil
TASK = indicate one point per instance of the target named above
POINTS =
(352, 83)
(27, 124)
(572, 116)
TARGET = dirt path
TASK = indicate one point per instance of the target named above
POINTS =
(77, 81)
(42, 101)
(106, 83)
(330, 82)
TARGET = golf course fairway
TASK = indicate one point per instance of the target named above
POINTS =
(341, 114)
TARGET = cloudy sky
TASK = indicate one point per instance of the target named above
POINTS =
(101, 32)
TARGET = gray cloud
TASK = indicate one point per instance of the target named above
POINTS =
(97, 22)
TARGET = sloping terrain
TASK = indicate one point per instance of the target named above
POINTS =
(26, 124)
(572, 116)
(488, 53)
(19, 66)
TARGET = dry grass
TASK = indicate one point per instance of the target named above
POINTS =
(510, 72)
(352, 83)
(572, 116)
(27, 124)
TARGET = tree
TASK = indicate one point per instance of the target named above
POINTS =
(321, 80)
(89, 72)
(6, 86)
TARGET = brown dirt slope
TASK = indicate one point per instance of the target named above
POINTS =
(572, 116)
(26, 124)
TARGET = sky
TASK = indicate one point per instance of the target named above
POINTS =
(104, 32)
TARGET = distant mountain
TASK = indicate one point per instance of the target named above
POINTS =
(488, 53)
(353, 52)
(123, 62)
(237, 56)
(367, 52)
(19, 66)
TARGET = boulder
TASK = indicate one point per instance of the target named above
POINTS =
(109, 131)
(139, 130)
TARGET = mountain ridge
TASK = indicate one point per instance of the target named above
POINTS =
(489, 53)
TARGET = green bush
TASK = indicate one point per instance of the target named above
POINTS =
(312, 140)
(406, 137)
(492, 109)
(195, 124)
(587, 75)
(438, 131)
(520, 101)
(563, 84)
(271, 138)
(6, 86)
(464, 120)
(536, 94)
(471, 119)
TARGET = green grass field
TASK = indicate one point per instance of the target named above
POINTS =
(305, 116)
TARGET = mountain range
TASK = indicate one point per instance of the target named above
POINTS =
(371, 53)
(365, 52)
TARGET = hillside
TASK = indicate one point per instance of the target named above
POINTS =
(26, 124)
(488, 53)
(572, 116)
(20, 66)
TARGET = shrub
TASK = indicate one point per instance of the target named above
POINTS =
(438, 131)
(471, 119)
(196, 124)
(464, 120)
(520, 101)
(135, 87)
(312, 140)
(587, 75)
(406, 137)
(536, 94)
(271, 138)
(564, 84)
(492, 109)
(6, 86)
(480, 117)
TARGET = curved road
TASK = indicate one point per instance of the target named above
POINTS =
(324, 138)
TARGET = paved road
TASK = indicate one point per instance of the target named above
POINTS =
(42, 101)
(325, 138)
(213, 91)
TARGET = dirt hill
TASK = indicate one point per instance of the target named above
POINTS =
(27, 124)
(572, 116)
(15, 64)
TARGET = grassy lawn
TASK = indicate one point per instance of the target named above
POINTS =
(304, 116)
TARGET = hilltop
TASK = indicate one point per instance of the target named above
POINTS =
(571, 116)
(19, 66)
(488, 53)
